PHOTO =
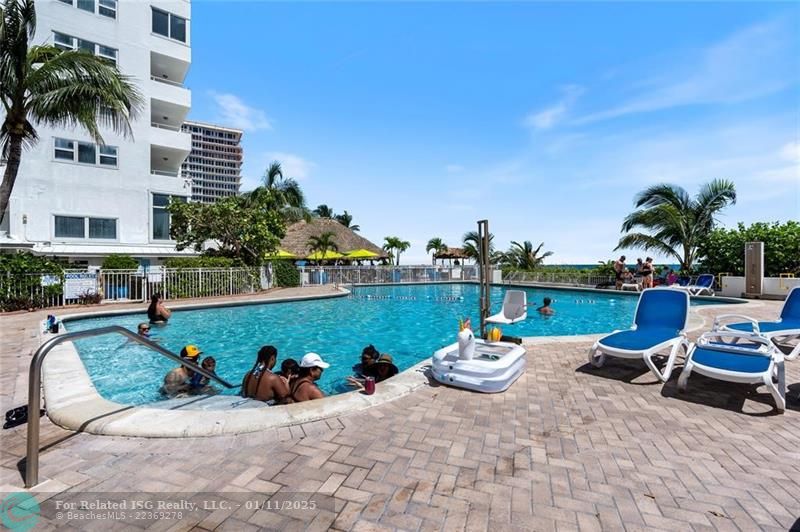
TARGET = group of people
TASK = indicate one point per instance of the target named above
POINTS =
(643, 273)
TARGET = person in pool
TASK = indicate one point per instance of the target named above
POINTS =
(177, 380)
(545, 308)
(289, 370)
(199, 383)
(157, 312)
(143, 329)
(382, 369)
(368, 357)
(260, 383)
(304, 387)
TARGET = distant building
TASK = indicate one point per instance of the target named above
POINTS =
(214, 165)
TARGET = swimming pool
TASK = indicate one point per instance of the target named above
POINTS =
(408, 321)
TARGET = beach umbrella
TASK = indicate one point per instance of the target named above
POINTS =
(361, 254)
(281, 254)
(326, 256)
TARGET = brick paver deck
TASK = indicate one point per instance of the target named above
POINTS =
(567, 447)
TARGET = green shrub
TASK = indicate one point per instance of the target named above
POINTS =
(202, 262)
(117, 261)
(285, 273)
(723, 249)
(20, 281)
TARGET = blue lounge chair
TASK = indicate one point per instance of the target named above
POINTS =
(785, 328)
(703, 284)
(737, 357)
(661, 317)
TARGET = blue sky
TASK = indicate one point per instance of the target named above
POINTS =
(545, 118)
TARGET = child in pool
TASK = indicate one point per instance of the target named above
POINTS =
(199, 381)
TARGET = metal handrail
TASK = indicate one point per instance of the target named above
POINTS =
(35, 383)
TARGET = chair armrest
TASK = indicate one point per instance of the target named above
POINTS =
(718, 319)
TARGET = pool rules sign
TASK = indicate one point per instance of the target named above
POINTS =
(78, 284)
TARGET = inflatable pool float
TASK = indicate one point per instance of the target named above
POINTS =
(493, 367)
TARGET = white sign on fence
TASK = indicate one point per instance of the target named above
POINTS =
(77, 284)
(50, 280)
(155, 274)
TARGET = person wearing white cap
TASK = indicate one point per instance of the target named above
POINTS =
(303, 387)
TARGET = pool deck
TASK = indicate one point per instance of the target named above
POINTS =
(566, 447)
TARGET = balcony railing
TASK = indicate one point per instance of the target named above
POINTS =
(165, 173)
(165, 126)
(168, 82)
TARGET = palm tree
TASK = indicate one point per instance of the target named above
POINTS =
(436, 245)
(322, 243)
(281, 193)
(675, 222)
(346, 219)
(472, 246)
(323, 211)
(54, 87)
(523, 256)
(395, 246)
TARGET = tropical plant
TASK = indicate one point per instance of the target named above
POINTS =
(395, 246)
(472, 246)
(322, 243)
(323, 211)
(285, 273)
(119, 261)
(523, 256)
(204, 261)
(280, 193)
(242, 228)
(436, 245)
(722, 250)
(42, 84)
(346, 219)
(675, 223)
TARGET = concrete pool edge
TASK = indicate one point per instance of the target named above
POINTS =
(75, 404)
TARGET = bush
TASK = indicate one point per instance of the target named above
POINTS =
(117, 261)
(285, 273)
(202, 262)
(21, 283)
(723, 250)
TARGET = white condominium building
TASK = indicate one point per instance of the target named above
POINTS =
(215, 163)
(76, 199)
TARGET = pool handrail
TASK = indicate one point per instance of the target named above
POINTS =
(35, 384)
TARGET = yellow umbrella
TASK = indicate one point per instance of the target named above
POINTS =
(325, 256)
(362, 254)
(281, 254)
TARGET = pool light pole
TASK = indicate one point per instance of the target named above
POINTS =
(484, 273)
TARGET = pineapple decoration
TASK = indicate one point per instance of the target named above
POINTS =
(495, 334)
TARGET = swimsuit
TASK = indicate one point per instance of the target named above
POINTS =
(297, 387)
(258, 373)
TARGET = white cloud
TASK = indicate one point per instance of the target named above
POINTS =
(548, 117)
(292, 165)
(791, 151)
(233, 112)
(754, 62)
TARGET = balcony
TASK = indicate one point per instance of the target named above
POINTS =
(170, 92)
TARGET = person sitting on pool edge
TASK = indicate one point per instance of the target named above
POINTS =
(545, 309)
(177, 380)
(157, 312)
(260, 383)
(303, 387)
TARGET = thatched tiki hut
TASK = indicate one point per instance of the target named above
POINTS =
(452, 253)
(298, 235)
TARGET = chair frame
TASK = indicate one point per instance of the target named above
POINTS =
(500, 318)
(674, 344)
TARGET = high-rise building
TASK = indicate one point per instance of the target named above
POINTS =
(215, 163)
(74, 198)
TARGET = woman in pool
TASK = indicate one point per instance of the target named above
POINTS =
(157, 312)
(260, 383)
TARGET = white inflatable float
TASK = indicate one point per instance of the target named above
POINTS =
(482, 366)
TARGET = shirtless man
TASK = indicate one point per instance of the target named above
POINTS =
(619, 270)
(260, 383)
(303, 387)
(177, 380)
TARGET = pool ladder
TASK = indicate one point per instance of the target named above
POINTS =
(35, 383)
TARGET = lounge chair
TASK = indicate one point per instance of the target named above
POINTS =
(659, 322)
(786, 327)
(515, 308)
(737, 357)
(703, 284)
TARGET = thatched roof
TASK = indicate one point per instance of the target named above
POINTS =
(297, 235)
(451, 253)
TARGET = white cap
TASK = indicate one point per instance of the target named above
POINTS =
(313, 360)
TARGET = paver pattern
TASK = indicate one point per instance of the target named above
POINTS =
(567, 447)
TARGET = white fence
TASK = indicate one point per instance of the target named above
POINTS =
(734, 286)
(19, 291)
(319, 275)
(559, 278)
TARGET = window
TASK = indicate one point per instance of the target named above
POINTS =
(65, 149)
(161, 217)
(65, 42)
(107, 8)
(86, 153)
(108, 155)
(70, 227)
(68, 42)
(103, 228)
(86, 5)
(169, 25)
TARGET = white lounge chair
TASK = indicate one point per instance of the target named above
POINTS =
(515, 308)
(737, 357)
(785, 328)
(659, 322)
(703, 285)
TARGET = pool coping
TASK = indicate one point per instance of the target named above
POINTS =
(72, 401)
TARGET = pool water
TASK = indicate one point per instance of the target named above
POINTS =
(409, 322)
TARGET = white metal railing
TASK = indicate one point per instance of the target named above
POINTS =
(74, 287)
(165, 173)
(319, 275)
(168, 81)
(559, 278)
(165, 126)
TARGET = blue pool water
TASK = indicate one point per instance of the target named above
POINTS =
(410, 322)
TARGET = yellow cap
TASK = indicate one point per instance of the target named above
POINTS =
(190, 351)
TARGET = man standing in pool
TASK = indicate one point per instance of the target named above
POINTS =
(177, 380)
(303, 387)
(545, 308)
